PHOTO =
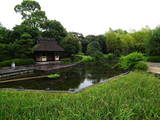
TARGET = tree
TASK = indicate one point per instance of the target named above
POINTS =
(4, 52)
(93, 47)
(153, 44)
(79, 36)
(141, 37)
(27, 8)
(31, 13)
(101, 39)
(128, 43)
(86, 41)
(113, 42)
(55, 29)
(5, 35)
(24, 45)
(36, 20)
(71, 45)
(19, 30)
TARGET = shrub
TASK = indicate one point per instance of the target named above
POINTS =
(86, 59)
(98, 55)
(141, 66)
(17, 61)
(71, 45)
(129, 61)
(93, 47)
(66, 60)
(153, 43)
(153, 59)
(109, 56)
(53, 76)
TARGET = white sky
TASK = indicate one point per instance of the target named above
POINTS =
(91, 16)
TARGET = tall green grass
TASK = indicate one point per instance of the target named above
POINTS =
(132, 97)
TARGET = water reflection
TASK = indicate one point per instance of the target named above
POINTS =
(71, 79)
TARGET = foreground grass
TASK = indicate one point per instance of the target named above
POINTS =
(132, 97)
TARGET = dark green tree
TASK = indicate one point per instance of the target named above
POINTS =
(5, 35)
(93, 47)
(101, 39)
(86, 41)
(31, 13)
(24, 46)
(54, 29)
(153, 44)
(27, 8)
(71, 45)
(19, 30)
(79, 36)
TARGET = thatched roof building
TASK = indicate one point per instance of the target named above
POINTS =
(47, 49)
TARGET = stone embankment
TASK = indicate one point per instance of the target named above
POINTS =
(19, 70)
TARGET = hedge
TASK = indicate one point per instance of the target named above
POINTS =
(153, 58)
(17, 61)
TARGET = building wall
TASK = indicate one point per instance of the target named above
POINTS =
(50, 55)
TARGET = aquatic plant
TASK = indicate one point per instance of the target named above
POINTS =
(53, 76)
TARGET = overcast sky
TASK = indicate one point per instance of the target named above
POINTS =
(91, 16)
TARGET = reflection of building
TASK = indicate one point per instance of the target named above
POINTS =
(47, 49)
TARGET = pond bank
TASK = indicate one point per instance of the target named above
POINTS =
(8, 72)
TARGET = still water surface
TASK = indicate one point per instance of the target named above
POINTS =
(71, 79)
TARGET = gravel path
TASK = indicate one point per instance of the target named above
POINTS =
(154, 67)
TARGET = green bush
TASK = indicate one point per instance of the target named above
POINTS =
(109, 56)
(66, 60)
(153, 59)
(53, 76)
(17, 61)
(141, 66)
(129, 61)
(98, 55)
(93, 47)
(86, 59)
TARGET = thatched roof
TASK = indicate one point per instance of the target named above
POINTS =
(47, 44)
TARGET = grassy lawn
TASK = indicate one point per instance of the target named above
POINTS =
(132, 97)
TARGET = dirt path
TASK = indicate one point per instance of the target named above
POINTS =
(154, 67)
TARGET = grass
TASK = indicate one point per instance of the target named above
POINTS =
(132, 97)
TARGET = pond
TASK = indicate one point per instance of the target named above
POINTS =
(71, 79)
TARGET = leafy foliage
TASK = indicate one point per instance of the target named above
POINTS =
(109, 56)
(131, 60)
(24, 46)
(153, 45)
(66, 60)
(141, 66)
(27, 7)
(19, 30)
(93, 47)
(85, 59)
(113, 42)
(31, 13)
(54, 29)
(17, 61)
(153, 58)
(53, 76)
(71, 45)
